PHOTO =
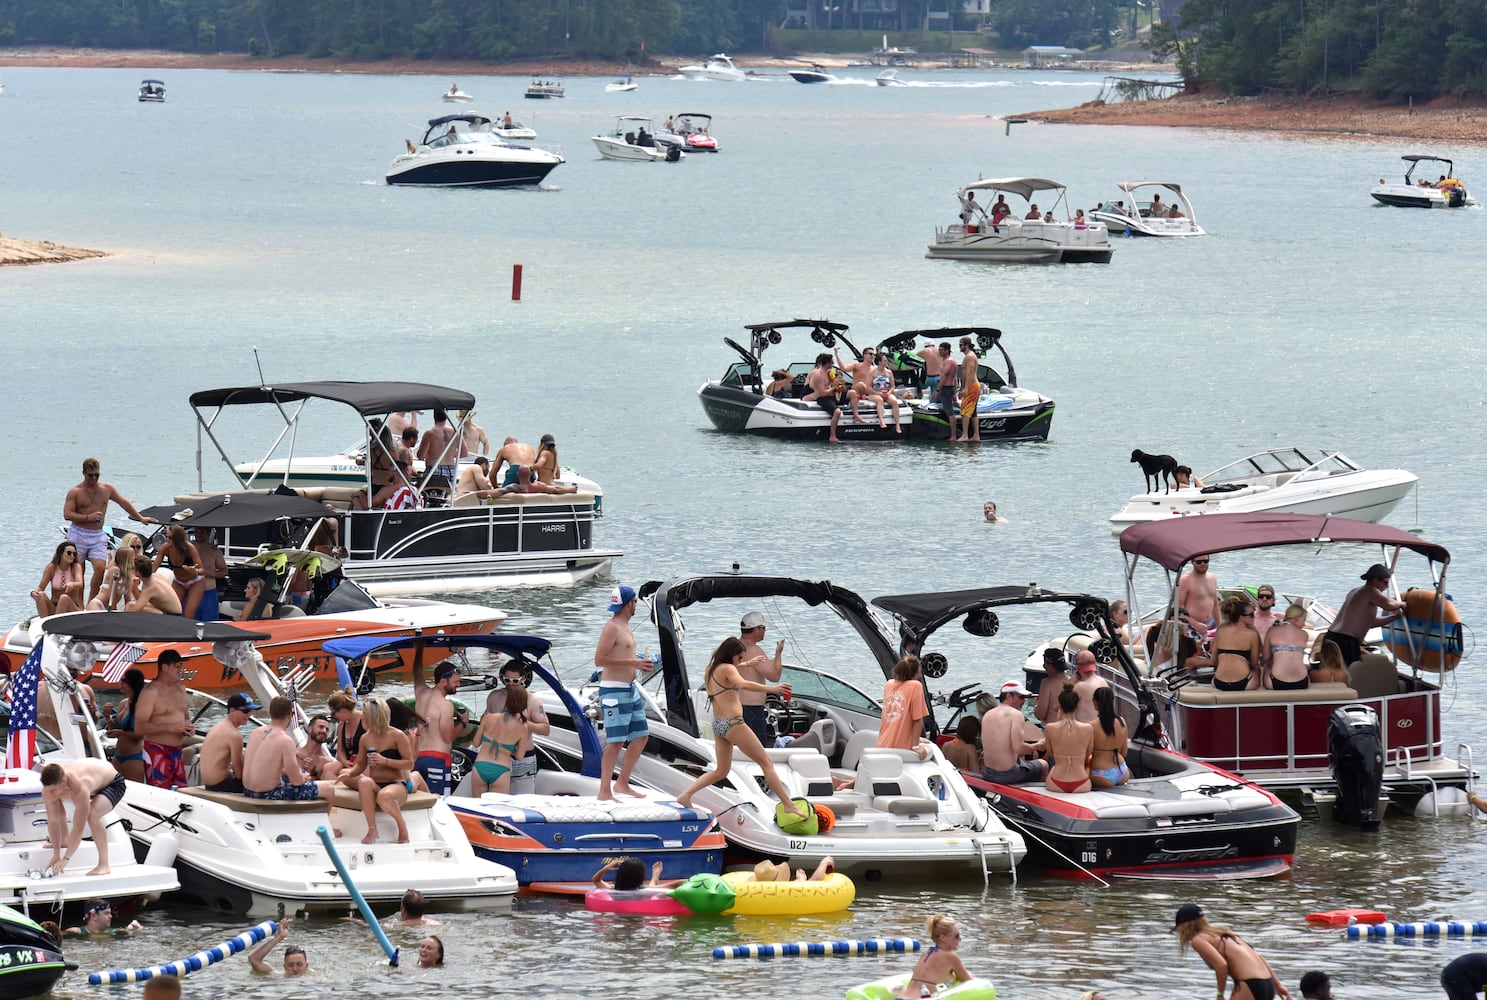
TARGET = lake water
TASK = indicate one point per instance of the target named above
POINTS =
(248, 212)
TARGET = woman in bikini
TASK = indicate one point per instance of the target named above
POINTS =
(1285, 652)
(722, 682)
(190, 581)
(1107, 766)
(940, 965)
(1228, 956)
(349, 726)
(384, 758)
(883, 386)
(545, 466)
(120, 582)
(1236, 647)
(129, 746)
(1331, 668)
(503, 738)
(1070, 743)
(64, 575)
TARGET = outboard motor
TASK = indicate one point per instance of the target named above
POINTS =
(1456, 197)
(673, 154)
(1356, 753)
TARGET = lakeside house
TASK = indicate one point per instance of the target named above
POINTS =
(1050, 56)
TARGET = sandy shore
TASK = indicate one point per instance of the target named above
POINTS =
(17, 252)
(1447, 120)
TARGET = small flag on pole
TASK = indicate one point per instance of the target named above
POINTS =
(120, 660)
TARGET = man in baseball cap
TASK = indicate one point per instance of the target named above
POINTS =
(619, 695)
(1359, 610)
(1087, 680)
(221, 757)
(1005, 753)
(751, 633)
(619, 597)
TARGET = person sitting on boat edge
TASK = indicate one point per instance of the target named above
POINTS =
(1004, 751)
(270, 768)
(1330, 666)
(769, 871)
(1107, 766)
(1079, 220)
(1055, 673)
(962, 751)
(1186, 479)
(1087, 681)
(827, 392)
(780, 386)
(1070, 746)
(64, 575)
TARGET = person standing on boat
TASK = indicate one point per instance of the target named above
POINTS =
(1004, 752)
(625, 727)
(1198, 598)
(826, 392)
(439, 457)
(970, 391)
(436, 745)
(213, 568)
(948, 387)
(969, 210)
(930, 355)
(94, 788)
(1228, 955)
(85, 510)
(473, 439)
(1356, 616)
(760, 668)
(162, 719)
(524, 768)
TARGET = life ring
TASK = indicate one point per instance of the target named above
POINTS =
(831, 894)
(1343, 918)
(646, 902)
(1417, 639)
(898, 985)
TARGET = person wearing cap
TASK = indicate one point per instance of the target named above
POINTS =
(221, 759)
(436, 740)
(828, 392)
(783, 380)
(930, 355)
(545, 467)
(1316, 985)
(163, 722)
(94, 788)
(1228, 955)
(1087, 681)
(625, 727)
(1005, 753)
(271, 770)
(1357, 614)
(759, 667)
(1464, 977)
(523, 768)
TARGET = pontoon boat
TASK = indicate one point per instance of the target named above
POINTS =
(1017, 240)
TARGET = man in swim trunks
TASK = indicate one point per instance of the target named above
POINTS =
(214, 568)
(270, 768)
(759, 667)
(439, 457)
(949, 385)
(1198, 599)
(1004, 751)
(826, 392)
(85, 510)
(513, 454)
(221, 756)
(619, 695)
(930, 355)
(94, 788)
(156, 595)
(523, 769)
(162, 721)
(437, 740)
(1356, 616)
(970, 391)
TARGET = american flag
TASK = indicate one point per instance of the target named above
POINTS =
(124, 654)
(20, 750)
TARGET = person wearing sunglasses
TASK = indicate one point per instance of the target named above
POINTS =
(85, 511)
(1198, 598)
(524, 768)
(64, 576)
(1265, 615)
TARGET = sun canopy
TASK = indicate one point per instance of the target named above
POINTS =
(1129, 186)
(1175, 541)
(512, 644)
(367, 398)
(237, 510)
(1024, 186)
(927, 612)
(142, 626)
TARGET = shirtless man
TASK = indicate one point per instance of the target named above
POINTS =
(860, 378)
(766, 671)
(296, 962)
(85, 510)
(1003, 748)
(156, 595)
(162, 721)
(523, 769)
(826, 393)
(314, 759)
(970, 391)
(221, 756)
(1055, 674)
(513, 455)
(436, 742)
(437, 453)
(949, 386)
(1198, 598)
(1086, 682)
(270, 768)
(401, 420)
(404, 453)
(930, 355)
(619, 695)
(94, 788)
(473, 439)
(213, 567)
(1357, 614)
(473, 481)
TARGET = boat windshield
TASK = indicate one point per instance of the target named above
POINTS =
(829, 690)
(1279, 460)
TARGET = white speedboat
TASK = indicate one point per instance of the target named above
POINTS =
(689, 131)
(622, 84)
(152, 91)
(634, 139)
(890, 78)
(541, 90)
(454, 95)
(717, 67)
(462, 151)
(434, 547)
(1150, 217)
(1287, 480)
(815, 74)
(1016, 240)
(1445, 192)
(509, 129)
(265, 859)
(902, 817)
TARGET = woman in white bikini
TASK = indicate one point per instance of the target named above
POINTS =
(1285, 652)
(120, 582)
(722, 682)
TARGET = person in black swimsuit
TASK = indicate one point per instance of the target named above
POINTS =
(1228, 956)
(1236, 640)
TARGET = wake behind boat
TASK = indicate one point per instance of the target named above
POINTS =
(462, 151)
(985, 234)
(1445, 192)
(1150, 217)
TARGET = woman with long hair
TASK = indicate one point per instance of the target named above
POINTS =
(190, 580)
(1107, 765)
(1228, 956)
(1285, 652)
(1331, 668)
(1070, 743)
(129, 745)
(545, 466)
(120, 582)
(383, 760)
(349, 725)
(1236, 647)
(503, 739)
(722, 682)
(64, 575)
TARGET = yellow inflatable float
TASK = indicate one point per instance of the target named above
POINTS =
(770, 899)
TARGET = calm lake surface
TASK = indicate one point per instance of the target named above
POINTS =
(248, 213)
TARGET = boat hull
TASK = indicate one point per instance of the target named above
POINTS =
(618, 149)
(1023, 243)
(1405, 196)
(741, 411)
(474, 171)
(1372, 497)
(810, 76)
(1030, 421)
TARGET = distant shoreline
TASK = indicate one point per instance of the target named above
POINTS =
(15, 253)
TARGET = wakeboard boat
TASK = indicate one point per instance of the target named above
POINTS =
(152, 91)
(982, 236)
(815, 74)
(454, 95)
(890, 78)
(1175, 818)
(463, 151)
(717, 67)
(1291, 741)
(1280, 480)
(1149, 217)
(1445, 192)
(902, 817)
(691, 131)
(634, 139)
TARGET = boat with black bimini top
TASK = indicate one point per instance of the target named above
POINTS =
(1170, 817)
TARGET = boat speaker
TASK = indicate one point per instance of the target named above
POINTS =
(1085, 615)
(1104, 650)
(934, 665)
(983, 623)
(774, 337)
(987, 339)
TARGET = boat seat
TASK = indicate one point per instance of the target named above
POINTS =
(466, 500)
(856, 743)
(1374, 676)
(1205, 694)
(881, 777)
(815, 775)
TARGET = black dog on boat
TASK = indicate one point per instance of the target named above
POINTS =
(1155, 467)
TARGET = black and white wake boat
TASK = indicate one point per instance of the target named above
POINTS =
(1176, 818)
(464, 151)
(1446, 192)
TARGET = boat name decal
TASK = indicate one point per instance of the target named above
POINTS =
(797, 845)
(20, 957)
(549, 528)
